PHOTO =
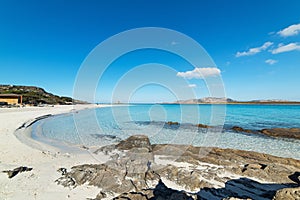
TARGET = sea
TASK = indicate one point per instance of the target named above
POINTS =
(176, 124)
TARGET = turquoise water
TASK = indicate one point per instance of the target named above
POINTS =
(108, 125)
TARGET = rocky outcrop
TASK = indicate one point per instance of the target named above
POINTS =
(106, 137)
(172, 123)
(287, 194)
(135, 142)
(282, 132)
(139, 170)
(14, 172)
(240, 129)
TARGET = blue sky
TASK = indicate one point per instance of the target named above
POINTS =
(253, 43)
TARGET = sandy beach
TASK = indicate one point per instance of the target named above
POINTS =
(38, 183)
(202, 100)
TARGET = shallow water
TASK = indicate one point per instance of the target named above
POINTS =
(104, 126)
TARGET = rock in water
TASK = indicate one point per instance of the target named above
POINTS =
(240, 129)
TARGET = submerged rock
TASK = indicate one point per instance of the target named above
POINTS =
(106, 137)
(172, 123)
(203, 126)
(240, 129)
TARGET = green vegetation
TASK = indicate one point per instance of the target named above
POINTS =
(35, 95)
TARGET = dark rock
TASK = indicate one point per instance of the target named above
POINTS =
(14, 172)
(254, 166)
(84, 147)
(282, 132)
(101, 195)
(203, 126)
(62, 170)
(106, 137)
(172, 123)
(295, 177)
(66, 181)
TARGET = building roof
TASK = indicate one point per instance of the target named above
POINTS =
(10, 95)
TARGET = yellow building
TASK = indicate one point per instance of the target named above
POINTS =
(11, 98)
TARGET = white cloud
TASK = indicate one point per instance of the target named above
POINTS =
(285, 48)
(192, 85)
(200, 73)
(290, 31)
(271, 61)
(255, 50)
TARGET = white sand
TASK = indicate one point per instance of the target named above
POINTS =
(38, 183)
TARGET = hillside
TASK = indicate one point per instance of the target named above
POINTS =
(35, 95)
(215, 100)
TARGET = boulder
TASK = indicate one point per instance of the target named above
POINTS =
(135, 141)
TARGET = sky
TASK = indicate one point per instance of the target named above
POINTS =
(255, 46)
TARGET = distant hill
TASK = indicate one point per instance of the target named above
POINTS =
(215, 100)
(35, 95)
(205, 100)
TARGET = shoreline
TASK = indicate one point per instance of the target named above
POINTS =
(40, 182)
(36, 140)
